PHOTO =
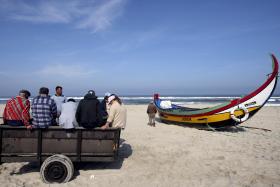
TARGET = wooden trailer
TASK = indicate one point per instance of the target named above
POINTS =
(55, 149)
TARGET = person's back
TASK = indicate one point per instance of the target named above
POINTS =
(103, 109)
(67, 118)
(44, 110)
(151, 111)
(16, 112)
(151, 108)
(87, 114)
(117, 115)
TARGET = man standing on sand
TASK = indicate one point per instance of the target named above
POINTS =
(16, 112)
(151, 111)
(59, 99)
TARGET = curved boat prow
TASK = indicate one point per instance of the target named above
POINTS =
(267, 89)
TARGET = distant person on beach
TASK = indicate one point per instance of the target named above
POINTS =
(59, 99)
(44, 110)
(16, 112)
(151, 111)
(117, 113)
(104, 109)
(87, 114)
(67, 119)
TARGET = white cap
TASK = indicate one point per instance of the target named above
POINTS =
(108, 94)
(111, 98)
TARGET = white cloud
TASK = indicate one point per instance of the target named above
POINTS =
(43, 12)
(83, 14)
(103, 16)
(65, 71)
(133, 40)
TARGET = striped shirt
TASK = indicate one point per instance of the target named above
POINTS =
(44, 111)
(17, 109)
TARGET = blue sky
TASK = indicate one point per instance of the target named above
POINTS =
(138, 46)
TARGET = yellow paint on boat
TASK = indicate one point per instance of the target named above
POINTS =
(205, 119)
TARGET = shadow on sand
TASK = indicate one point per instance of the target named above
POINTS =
(125, 151)
(29, 167)
(232, 129)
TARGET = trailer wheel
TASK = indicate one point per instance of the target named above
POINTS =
(68, 159)
(57, 169)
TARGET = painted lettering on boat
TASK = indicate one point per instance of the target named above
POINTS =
(186, 119)
(250, 104)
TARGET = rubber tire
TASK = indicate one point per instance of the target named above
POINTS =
(69, 160)
(65, 165)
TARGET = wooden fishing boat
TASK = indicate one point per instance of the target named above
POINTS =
(227, 114)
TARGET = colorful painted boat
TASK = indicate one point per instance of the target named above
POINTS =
(227, 114)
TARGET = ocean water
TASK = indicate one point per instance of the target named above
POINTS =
(179, 100)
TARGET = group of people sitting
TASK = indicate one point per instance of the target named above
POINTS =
(57, 110)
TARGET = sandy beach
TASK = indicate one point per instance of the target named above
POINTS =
(170, 155)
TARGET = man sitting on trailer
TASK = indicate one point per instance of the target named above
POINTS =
(104, 109)
(16, 112)
(44, 111)
(87, 114)
(117, 113)
(67, 118)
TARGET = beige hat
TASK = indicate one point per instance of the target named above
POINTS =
(111, 98)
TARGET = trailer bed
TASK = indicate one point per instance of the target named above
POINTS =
(18, 144)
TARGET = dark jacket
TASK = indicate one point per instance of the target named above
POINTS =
(87, 114)
(103, 108)
(103, 112)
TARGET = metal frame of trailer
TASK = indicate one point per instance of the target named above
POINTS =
(56, 148)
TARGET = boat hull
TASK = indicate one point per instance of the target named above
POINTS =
(217, 120)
